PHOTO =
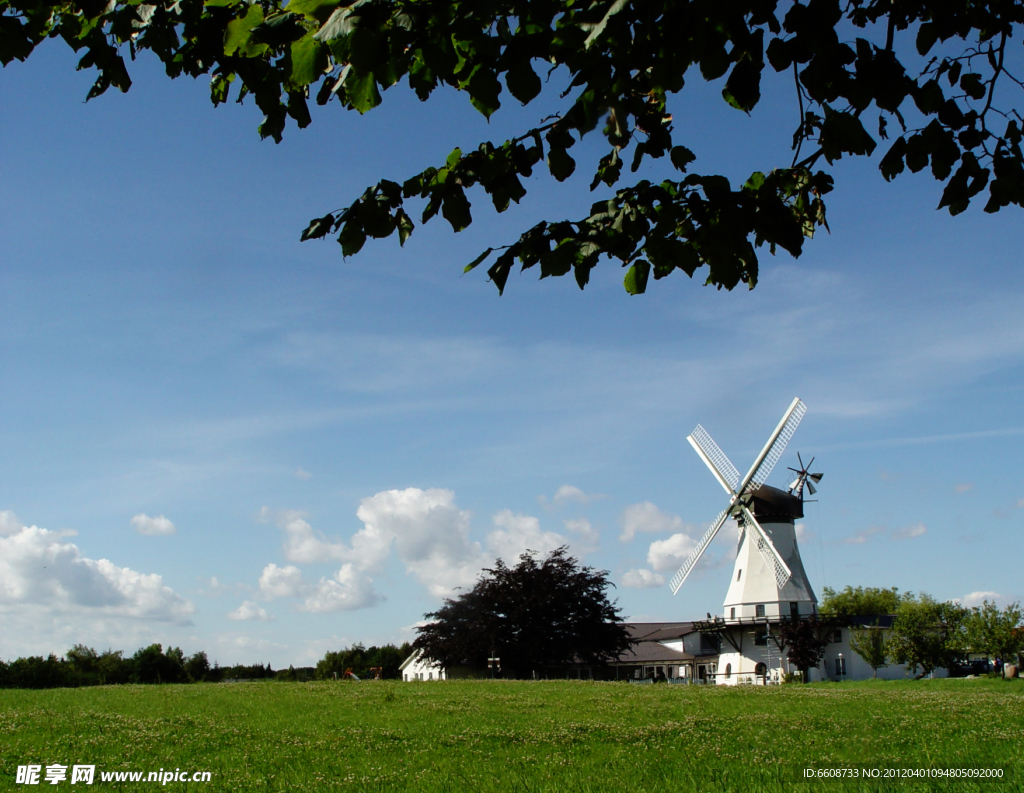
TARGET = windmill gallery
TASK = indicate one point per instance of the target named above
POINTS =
(769, 595)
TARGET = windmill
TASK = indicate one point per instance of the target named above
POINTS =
(768, 580)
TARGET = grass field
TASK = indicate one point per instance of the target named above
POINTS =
(512, 736)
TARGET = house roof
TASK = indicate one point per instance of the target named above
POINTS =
(652, 652)
(658, 631)
(415, 654)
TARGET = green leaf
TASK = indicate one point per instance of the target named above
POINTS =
(522, 81)
(560, 164)
(455, 209)
(743, 88)
(352, 238)
(971, 85)
(319, 10)
(238, 32)
(361, 89)
(478, 260)
(598, 29)
(308, 61)
(405, 226)
(681, 157)
(636, 277)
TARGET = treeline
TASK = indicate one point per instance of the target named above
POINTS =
(922, 632)
(83, 666)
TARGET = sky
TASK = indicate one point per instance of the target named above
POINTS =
(216, 437)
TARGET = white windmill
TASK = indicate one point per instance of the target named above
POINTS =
(768, 582)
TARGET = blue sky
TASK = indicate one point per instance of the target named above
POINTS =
(217, 437)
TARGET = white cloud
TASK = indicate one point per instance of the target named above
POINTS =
(977, 598)
(153, 527)
(569, 494)
(671, 553)
(909, 532)
(645, 517)
(863, 536)
(585, 538)
(250, 611)
(802, 533)
(9, 523)
(642, 579)
(430, 535)
(963, 487)
(281, 582)
(300, 474)
(38, 569)
(301, 542)
(517, 534)
(348, 590)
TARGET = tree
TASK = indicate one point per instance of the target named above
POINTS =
(859, 602)
(993, 632)
(934, 74)
(197, 667)
(872, 645)
(537, 615)
(804, 642)
(927, 634)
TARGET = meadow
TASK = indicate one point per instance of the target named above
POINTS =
(519, 736)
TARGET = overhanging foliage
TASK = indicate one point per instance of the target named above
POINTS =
(932, 71)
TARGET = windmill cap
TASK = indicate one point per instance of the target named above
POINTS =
(769, 502)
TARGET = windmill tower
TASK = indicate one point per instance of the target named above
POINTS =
(769, 584)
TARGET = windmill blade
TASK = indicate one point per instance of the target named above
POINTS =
(772, 451)
(694, 557)
(714, 458)
(816, 477)
(810, 487)
(767, 548)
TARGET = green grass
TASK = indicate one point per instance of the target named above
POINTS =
(512, 736)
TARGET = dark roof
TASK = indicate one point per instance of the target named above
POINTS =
(652, 652)
(658, 631)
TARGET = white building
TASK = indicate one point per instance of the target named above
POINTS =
(416, 667)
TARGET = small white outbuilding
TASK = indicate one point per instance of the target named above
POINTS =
(416, 667)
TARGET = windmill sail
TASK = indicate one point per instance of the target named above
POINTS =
(774, 448)
(694, 557)
(725, 472)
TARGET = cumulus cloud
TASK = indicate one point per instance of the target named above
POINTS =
(963, 487)
(9, 523)
(862, 536)
(518, 533)
(642, 579)
(585, 538)
(348, 590)
(802, 532)
(671, 553)
(281, 582)
(977, 598)
(567, 494)
(37, 568)
(646, 517)
(250, 611)
(153, 527)
(909, 532)
(300, 474)
(301, 542)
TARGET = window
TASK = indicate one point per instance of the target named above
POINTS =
(710, 643)
(728, 670)
(760, 637)
(837, 637)
(794, 610)
(759, 610)
(761, 670)
(840, 667)
(738, 574)
(732, 613)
